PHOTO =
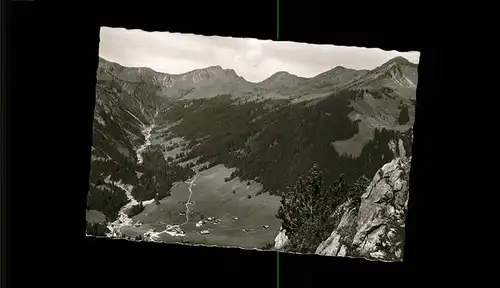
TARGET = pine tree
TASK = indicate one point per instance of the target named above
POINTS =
(358, 188)
(307, 206)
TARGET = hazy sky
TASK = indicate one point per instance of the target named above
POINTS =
(253, 59)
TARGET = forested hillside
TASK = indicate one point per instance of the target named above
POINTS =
(151, 130)
(277, 143)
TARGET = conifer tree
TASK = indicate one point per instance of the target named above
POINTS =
(307, 206)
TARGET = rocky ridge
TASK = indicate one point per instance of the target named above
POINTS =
(128, 100)
(215, 81)
(374, 228)
(373, 225)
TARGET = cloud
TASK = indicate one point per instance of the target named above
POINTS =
(253, 59)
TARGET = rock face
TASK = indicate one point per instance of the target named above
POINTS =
(375, 228)
(334, 245)
(281, 240)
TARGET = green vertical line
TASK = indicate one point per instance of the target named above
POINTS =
(277, 19)
(277, 269)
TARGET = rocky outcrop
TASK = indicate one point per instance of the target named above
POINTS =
(382, 212)
(375, 228)
(337, 243)
(398, 149)
(281, 240)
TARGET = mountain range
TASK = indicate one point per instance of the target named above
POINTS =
(271, 132)
(398, 73)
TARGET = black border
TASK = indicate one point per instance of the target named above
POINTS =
(55, 58)
(3, 38)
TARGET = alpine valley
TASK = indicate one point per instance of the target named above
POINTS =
(310, 165)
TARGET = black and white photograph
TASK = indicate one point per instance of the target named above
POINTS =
(253, 144)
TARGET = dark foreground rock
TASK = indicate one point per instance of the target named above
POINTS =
(374, 228)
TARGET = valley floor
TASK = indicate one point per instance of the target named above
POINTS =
(229, 217)
(202, 210)
(149, 144)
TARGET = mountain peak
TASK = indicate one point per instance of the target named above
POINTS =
(333, 72)
(281, 76)
(394, 63)
(210, 70)
(339, 69)
(214, 68)
(397, 71)
(217, 69)
(400, 60)
(211, 73)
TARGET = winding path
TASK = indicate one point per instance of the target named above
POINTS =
(190, 188)
(124, 219)
(175, 230)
